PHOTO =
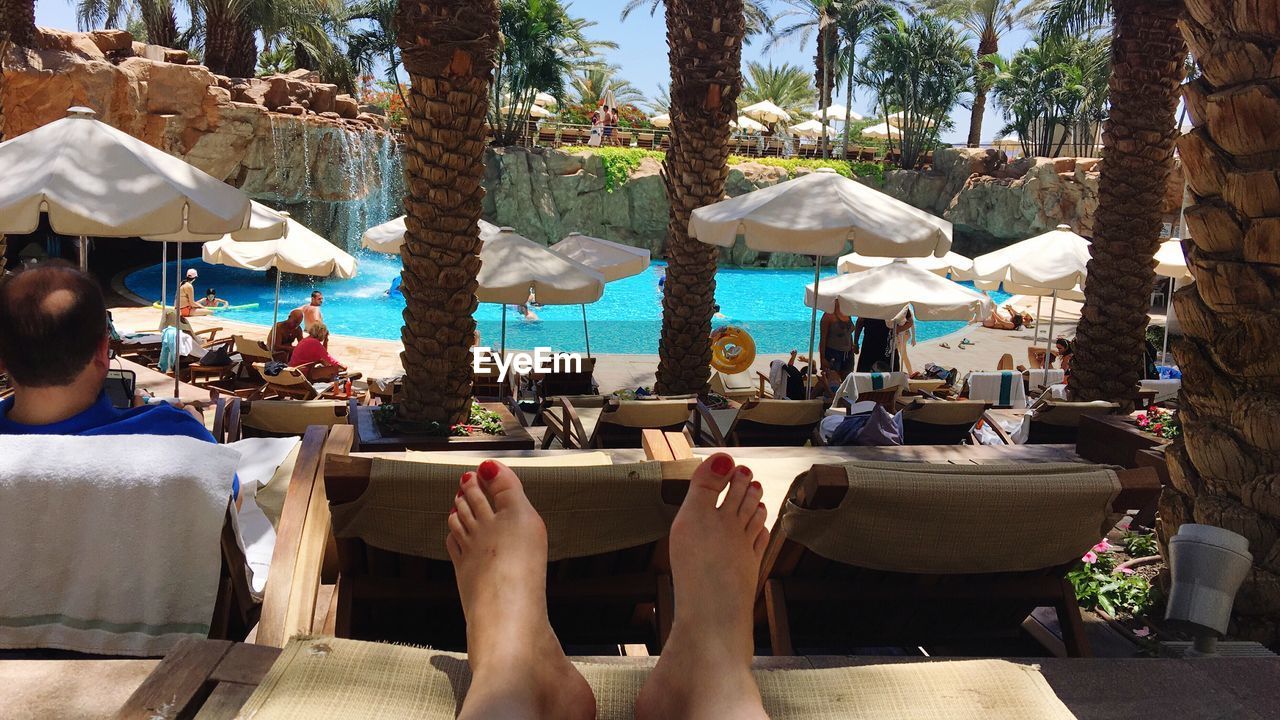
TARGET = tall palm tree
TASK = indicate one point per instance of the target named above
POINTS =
(988, 21)
(759, 18)
(704, 42)
(593, 83)
(816, 17)
(18, 22)
(448, 48)
(786, 85)
(540, 44)
(158, 17)
(1223, 470)
(855, 20)
(1147, 55)
(374, 45)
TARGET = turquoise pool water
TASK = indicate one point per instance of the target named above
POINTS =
(769, 303)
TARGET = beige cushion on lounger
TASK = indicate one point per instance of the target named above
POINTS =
(292, 417)
(782, 412)
(940, 519)
(945, 412)
(647, 413)
(322, 678)
(588, 510)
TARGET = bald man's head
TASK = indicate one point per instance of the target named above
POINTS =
(52, 322)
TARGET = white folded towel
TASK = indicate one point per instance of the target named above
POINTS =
(110, 545)
(259, 459)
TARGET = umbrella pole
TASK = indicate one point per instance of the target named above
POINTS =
(84, 253)
(1168, 314)
(585, 333)
(275, 318)
(1039, 300)
(164, 281)
(504, 345)
(177, 327)
(813, 324)
(1048, 341)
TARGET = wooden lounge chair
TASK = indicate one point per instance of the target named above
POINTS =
(761, 423)
(608, 578)
(940, 422)
(664, 141)
(235, 418)
(292, 382)
(644, 139)
(896, 554)
(607, 422)
(547, 136)
(555, 383)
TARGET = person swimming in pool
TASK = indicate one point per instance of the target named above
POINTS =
(211, 301)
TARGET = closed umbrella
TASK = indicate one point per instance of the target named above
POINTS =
(512, 265)
(1053, 263)
(953, 264)
(818, 214)
(300, 251)
(389, 236)
(612, 260)
(1171, 262)
(766, 112)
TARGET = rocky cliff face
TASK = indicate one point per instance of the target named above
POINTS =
(297, 143)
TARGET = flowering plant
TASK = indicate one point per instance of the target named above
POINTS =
(1161, 423)
(1098, 586)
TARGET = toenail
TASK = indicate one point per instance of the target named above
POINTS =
(459, 494)
(453, 509)
(721, 464)
(756, 484)
(744, 471)
(489, 470)
(466, 478)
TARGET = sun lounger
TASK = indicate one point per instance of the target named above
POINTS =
(594, 421)
(1165, 390)
(292, 382)
(100, 562)
(900, 554)
(1002, 388)
(853, 387)
(940, 422)
(760, 423)
(553, 384)
(235, 418)
(607, 579)
(1050, 422)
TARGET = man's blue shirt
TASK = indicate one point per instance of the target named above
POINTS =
(102, 418)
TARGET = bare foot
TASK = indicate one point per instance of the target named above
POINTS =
(705, 668)
(498, 545)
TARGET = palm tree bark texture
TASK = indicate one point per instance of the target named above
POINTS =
(448, 49)
(18, 22)
(1147, 53)
(987, 45)
(1225, 471)
(704, 40)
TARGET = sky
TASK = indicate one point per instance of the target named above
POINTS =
(642, 52)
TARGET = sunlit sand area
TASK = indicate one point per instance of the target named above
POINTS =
(460, 358)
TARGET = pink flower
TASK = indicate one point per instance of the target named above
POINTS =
(1143, 421)
(1102, 546)
(1142, 632)
(1126, 570)
(1089, 558)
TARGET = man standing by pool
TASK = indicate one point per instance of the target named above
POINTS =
(311, 313)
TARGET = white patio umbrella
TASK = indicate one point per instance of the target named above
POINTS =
(745, 123)
(536, 112)
(818, 214)
(883, 131)
(93, 180)
(953, 264)
(1171, 262)
(887, 291)
(545, 99)
(612, 260)
(301, 251)
(838, 112)
(1053, 263)
(389, 236)
(511, 265)
(812, 129)
(661, 121)
(766, 112)
(895, 119)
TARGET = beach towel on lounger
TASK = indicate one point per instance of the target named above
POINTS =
(110, 545)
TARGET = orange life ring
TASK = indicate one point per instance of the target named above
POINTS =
(732, 350)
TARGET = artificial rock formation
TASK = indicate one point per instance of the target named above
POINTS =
(299, 144)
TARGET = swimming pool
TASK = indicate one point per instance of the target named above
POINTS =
(628, 319)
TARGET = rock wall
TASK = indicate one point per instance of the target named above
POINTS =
(297, 143)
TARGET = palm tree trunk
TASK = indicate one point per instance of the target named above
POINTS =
(988, 46)
(1223, 471)
(161, 23)
(1146, 56)
(18, 22)
(704, 41)
(448, 48)
(848, 94)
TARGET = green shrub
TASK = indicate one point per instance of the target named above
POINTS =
(620, 162)
(1140, 544)
(1097, 586)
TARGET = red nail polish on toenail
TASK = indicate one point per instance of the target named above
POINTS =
(746, 471)
(459, 494)
(722, 464)
(756, 484)
(453, 509)
(466, 478)
(762, 507)
(489, 470)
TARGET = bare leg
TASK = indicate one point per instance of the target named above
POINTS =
(705, 668)
(498, 545)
